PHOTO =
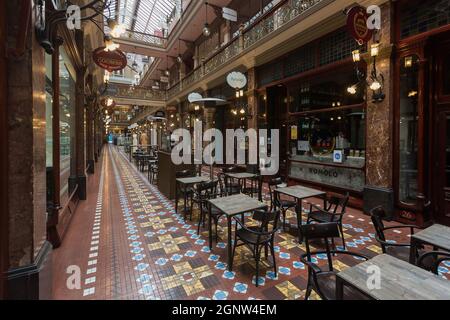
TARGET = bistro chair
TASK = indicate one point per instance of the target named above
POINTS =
(153, 172)
(323, 281)
(398, 250)
(203, 193)
(253, 187)
(276, 202)
(432, 260)
(258, 237)
(333, 211)
(232, 185)
(186, 192)
(227, 188)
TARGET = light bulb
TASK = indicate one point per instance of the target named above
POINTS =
(206, 30)
(375, 86)
(242, 111)
(375, 49)
(408, 62)
(356, 56)
(351, 90)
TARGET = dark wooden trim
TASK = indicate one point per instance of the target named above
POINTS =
(334, 165)
(306, 113)
(4, 221)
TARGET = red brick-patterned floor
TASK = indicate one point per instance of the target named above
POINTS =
(128, 243)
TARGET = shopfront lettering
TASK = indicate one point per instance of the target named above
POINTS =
(324, 172)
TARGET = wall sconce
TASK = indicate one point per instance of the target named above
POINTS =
(376, 79)
(408, 62)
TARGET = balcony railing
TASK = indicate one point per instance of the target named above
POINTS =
(278, 16)
(145, 38)
(125, 92)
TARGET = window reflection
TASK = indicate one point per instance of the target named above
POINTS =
(408, 126)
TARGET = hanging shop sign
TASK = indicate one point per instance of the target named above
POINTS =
(164, 79)
(194, 97)
(230, 14)
(110, 60)
(357, 24)
(237, 80)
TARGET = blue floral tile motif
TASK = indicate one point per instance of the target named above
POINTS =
(190, 253)
(176, 257)
(195, 236)
(285, 255)
(240, 287)
(150, 234)
(276, 248)
(200, 242)
(162, 231)
(357, 241)
(213, 257)
(206, 249)
(186, 226)
(137, 250)
(359, 230)
(372, 235)
(348, 226)
(443, 270)
(132, 232)
(135, 244)
(144, 278)
(271, 275)
(284, 270)
(191, 231)
(220, 295)
(359, 258)
(261, 281)
(173, 229)
(446, 263)
(229, 275)
(391, 241)
(298, 265)
(366, 239)
(203, 298)
(220, 266)
(221, 245)
(141, 266)
(147, 289)
(161, 261)
(322, 256)
(352, 245)
(138, 257)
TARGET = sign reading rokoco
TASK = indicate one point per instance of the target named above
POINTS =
(237, 80)
(110, 60)
(357, 24)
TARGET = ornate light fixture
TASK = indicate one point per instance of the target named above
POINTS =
(376, 79)
(117, 29)
(206, 29)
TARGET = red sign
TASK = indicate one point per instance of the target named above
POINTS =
(110, 60)
(357, 24)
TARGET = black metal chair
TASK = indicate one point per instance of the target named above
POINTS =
(232, 186)
(153, 172)
(277, 202)
(227, 188)
(186, 192)
(432, 260)
(398, 250)
(253, 187)
(324, 281)
(333, 211)
(258, 237)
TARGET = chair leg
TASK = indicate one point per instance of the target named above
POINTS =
(257, 268)
(234, 251)
(272, 252)
(342, 236)
(308, 290)
(284, 219)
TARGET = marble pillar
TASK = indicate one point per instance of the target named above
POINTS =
(28, 273)
(380, 127)
(252, 100)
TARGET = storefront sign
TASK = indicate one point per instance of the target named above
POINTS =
(110, 60)
(237, 80)
(338, 156)
(230, 14)
(345, 178)
(357, 24)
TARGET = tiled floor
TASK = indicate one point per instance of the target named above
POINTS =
(128, 243)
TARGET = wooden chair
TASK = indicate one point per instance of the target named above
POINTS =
(276, 202)
(258, 237)
(324, 281)
(398, 250)
(186, 192)
(333, 211)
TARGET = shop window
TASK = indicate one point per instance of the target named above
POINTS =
(422, 16)
(324, 92)
(445, 75)
(408, 129)
(67, 127)
(336, 46)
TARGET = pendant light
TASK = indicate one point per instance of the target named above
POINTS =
(206, 30)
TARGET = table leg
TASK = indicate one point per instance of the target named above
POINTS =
(299, 210)
(210, 226)
(176, 197)
(230, 267)
(413, 251)
(339, 289)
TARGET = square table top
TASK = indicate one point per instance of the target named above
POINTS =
(437, 235)
(237, 204)
(241, 175)
(400, 280)
(192, 180)
(300, 192)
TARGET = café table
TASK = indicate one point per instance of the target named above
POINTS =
(437, 236)
(240, 176)
(300, 193)
(398, 280)
(232, 206)
(187, 182)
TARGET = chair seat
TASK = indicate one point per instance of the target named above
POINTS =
(323, 217)
(403, 253)
(285, 204)
(327, 284)
(251, 238)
